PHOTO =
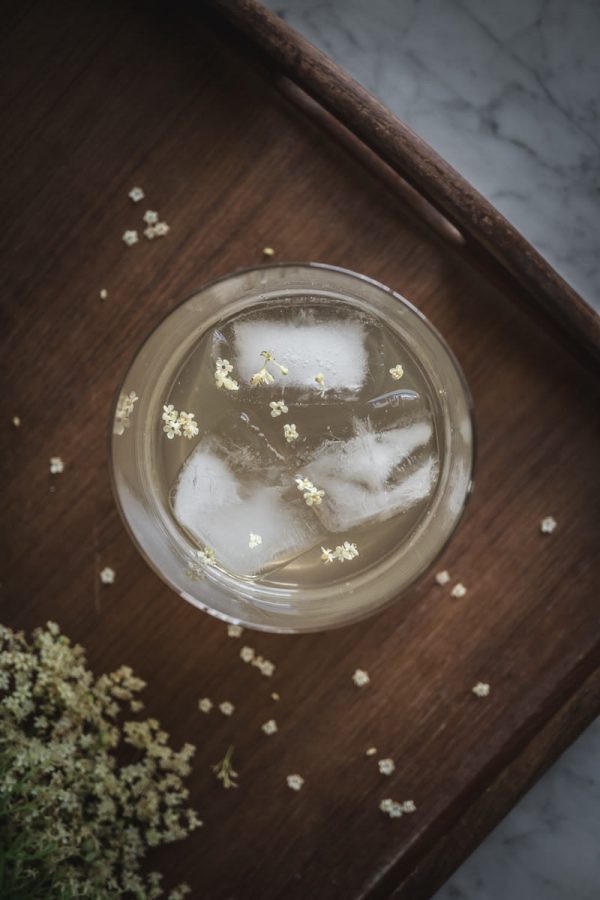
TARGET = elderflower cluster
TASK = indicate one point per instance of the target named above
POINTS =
(311, 494)
(124, 409)
(342, 552)
(77, 817)
(394, 809)
(179, 424)
(196, 567)
(223, 379)
(290, 433)
(263, 376)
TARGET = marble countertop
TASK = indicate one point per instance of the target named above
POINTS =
(506, 92)
(509, 93)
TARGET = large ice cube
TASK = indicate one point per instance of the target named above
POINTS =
(375, 474)
(226, 491)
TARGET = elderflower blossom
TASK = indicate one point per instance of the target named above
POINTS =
(223, 379)
(458, 591)
(136, 194)
(263, 376)
(320, 379)
(278, 407)
(57, 465)
(265, 666)
(179, 423)
(311, 494)
(397, 372)
(295, 782)
(290, 433)
(548, 525)
(107, 575)
(442, 578)
(481, 689)
(234, 631)
(161, 229)
(386, 766)
(64, 786)
(227, 708)
(269, 727)
(123, 411)
(150, 217)
(205, 705)
(254, 540)
(130, 237)
(342, 552)
(361, 678)
(247, 654)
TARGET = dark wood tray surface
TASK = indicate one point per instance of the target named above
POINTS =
(99, 97)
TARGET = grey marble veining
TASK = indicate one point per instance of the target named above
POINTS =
(508, 91)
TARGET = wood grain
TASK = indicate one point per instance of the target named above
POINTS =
(412, 158)
(105, 96)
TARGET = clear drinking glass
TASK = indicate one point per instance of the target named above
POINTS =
(393, 452)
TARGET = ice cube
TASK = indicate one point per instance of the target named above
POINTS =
(228, 490)
(373, 475)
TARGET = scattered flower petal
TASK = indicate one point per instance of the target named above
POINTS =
(107, 575)
(481, 689)
(548, 525)
(459, 590)
(56, 465)
(205, 705)
(360, 678)
(234, 631)
(130, 238)
(161, 229)
(136, 194)
(269, 727)
(247, 654)
(442, 578)
(295, 782)
(371, 751)
(150, 217)
(226, 708)
(386, 766)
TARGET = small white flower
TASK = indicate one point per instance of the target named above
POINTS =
(103, 294)
(386, 766)
(150, 217)
(234, 631)
(442, 578)
(136, 194)
(386, 805)
(303, 483)
(408, 806)
(130, 238)
(481, 689)
(391, 808)
(262, 377)
(161, 228)
(206, 556)
(268, 251)
(548, 525)
(290, 433)
(269, 727)
(314, 497)
(459, 590)
(360, 678)
(347, 551)
(188, 425)
(247, 654)
(56, 465)
(150, 232)
(205, 705)
(169, 414)
(371, 751)
(327, 556)
(172, 429)
(278, 407)
(265, 666)
(226, 708)
(295, 782)
(223, 366)
(254, 540)
(397, 372)
(107, 575)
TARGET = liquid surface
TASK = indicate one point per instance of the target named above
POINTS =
(367, 440)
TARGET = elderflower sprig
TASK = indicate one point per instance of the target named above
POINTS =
(225, 772)
(341, 553)
(312, 495)
(320, 379)
(263, 376)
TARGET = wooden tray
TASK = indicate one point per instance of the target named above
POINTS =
(105, 96)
